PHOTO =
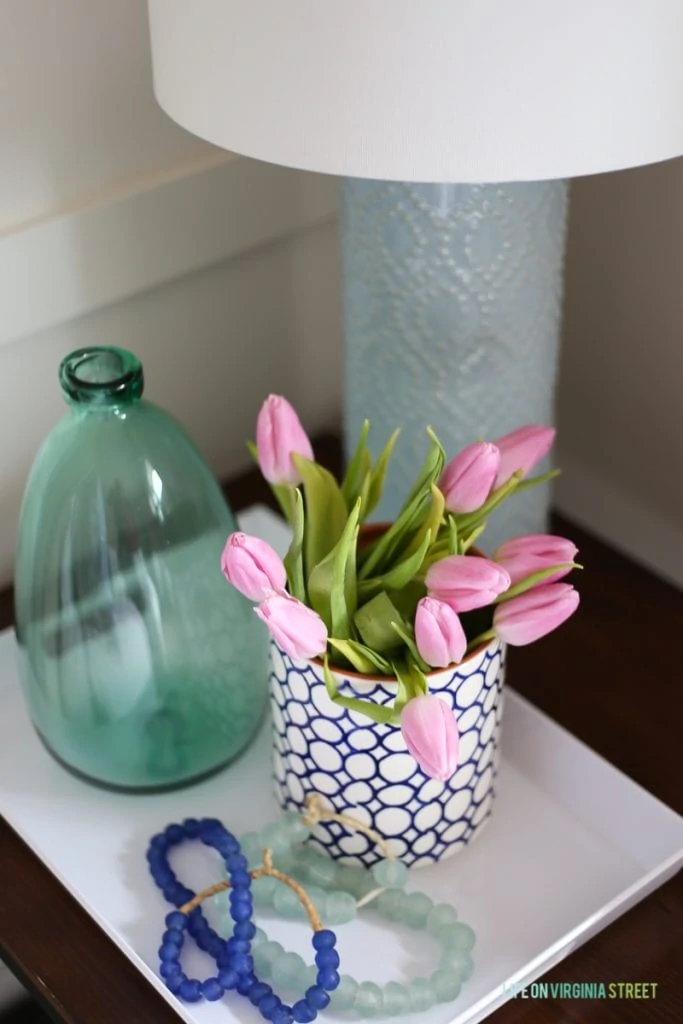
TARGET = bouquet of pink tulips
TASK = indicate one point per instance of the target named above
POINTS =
(415, 597)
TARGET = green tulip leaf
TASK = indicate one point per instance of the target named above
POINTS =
(432, 521)
(409, 641)
(378, 475)
(533, 581)
(332, 583)
(398, 577)
(362, 658)
(294, 559)
(431, 471)
(534, 481)
(326, 513)
(453, 548)
(378, 713)
(374, 623)
(381, 555)
(411, 683)
(358, 469)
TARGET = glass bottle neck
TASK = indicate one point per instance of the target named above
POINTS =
(101, 376)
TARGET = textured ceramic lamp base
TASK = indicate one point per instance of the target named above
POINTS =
(452, 300)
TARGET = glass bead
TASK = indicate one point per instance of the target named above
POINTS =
(322, 871)
(258, 991)
(242, 911)
(368, 1001)
(271, 951)
(174, 834)
(441, 916)
(175, 935)
(169, 951)
(327, 958)
(390, 873)
(421, 995)
(245, 930)
(390, 903)
(460, 964)
(168, 968)
(354, 880)
(176, 920)
(446, 986)
(263, 966)
(341, 908)
(228, 978)
(236, 862)
(174, 981)
(287, 970)
(263, 890)
(302, 1012)
(309, 977)
(317, 997)
(295, 828)
(287, 904)
(282, 1015)
(344, 996)
(252, 849)
(324, 939)
(274, 837)
(212, 989)
(458, 937)
(243, 963)
(318, 898)
(244, 983)
(268, 1004)
(415, 909)
(190, 991)
(328, 977)
(395, 999)
(259, 937)
(191, 826)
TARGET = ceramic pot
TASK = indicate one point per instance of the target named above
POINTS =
(365, 769)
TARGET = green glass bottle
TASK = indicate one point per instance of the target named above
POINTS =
(141, 667)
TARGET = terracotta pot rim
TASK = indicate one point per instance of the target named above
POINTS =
(379, 679)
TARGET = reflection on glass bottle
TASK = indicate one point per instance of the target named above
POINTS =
(140, 667)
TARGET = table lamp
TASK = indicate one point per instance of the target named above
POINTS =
(455, 124)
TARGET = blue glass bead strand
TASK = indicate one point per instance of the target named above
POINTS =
(236, 968)
(234, 964)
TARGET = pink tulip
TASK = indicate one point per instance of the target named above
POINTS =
(526, 618)
(467, 480)
(439, 635)
(295, 627)
(466, 581)
(279, 435)
(522, 449)
(252, 566)
(430, 731)
(524, 556)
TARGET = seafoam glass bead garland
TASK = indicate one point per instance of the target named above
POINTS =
(340, 891)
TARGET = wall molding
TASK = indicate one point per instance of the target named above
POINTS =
(151, 232)
(620, 519)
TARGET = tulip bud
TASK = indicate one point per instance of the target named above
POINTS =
(467, 480)
(279, 435)
(524, 556)
(439, 635)
(430, 731)
(531, 615)
(252, 566)
(522, 449)
(466, 581)
(296, 628)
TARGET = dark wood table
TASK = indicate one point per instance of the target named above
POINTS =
(611, 676)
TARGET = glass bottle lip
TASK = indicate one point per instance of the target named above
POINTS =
(101, 375)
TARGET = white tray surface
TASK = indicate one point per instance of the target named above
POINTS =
(572, 843)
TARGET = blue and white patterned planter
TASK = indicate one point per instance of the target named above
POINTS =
(366, 770)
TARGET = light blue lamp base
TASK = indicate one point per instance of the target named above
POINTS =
(452, 300)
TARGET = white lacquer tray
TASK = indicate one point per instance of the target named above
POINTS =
(572, 844)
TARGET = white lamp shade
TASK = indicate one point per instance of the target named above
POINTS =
(427, 90)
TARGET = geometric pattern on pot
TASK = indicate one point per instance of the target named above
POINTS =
(365, 769)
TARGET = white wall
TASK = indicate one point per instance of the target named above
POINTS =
(620, 407)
